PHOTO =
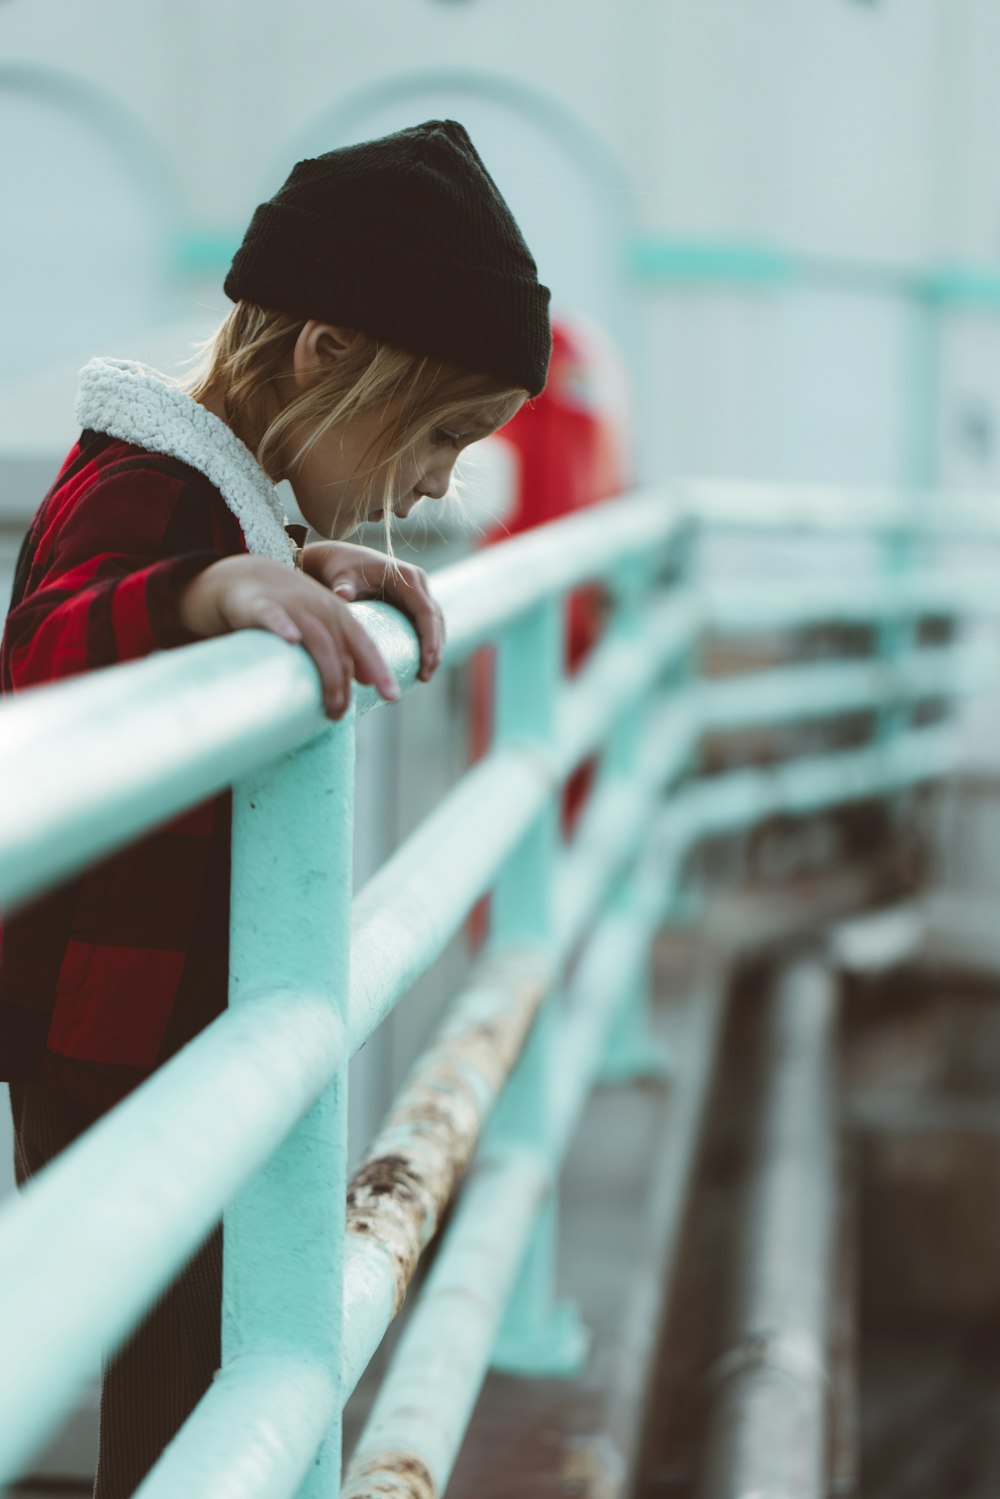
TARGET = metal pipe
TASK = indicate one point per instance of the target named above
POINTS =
(408, 1176)
(486, 591)
(724, 803)
(824, 689)
(767, 1430)
(736, 607)
(409, 909)
(155, 736)
(615, 822)
(425, 1402)
(149, 739)
(141, 1190)
(283, 1268)
(253, 1435)
(620, 676)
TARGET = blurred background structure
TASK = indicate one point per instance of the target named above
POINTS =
(775, 230)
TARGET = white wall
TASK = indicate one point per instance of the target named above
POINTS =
(844, 131)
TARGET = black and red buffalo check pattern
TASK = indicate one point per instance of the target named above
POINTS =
(106, 977)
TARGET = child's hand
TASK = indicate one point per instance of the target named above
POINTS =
(356, 572)
(247, 593)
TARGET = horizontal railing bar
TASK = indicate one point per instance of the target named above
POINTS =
(946, 671)
(732, 506)
(413, 905)
(421, 870)
(410, 1173)
(797, 787)
(148, 740)
(731, 607)
(426, 1400)
(253, 1435)
(821, 688)
(141, 1190)
(411, 908)
(374, 1282)
(156, 736)
(474, 1052)
(612, 824)
(374, 1285)
(484, 592)
(161, 735)
(737, 799)
(620, 673)
(739, 607)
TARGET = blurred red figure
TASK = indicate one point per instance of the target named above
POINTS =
(570, 446)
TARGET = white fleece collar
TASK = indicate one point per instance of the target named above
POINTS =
(137, 404)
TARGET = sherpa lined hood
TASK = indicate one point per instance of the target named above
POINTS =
(138, 405)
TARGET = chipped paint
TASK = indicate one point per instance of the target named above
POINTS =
(390, 1475)
(593, 1468)
(408, 1177)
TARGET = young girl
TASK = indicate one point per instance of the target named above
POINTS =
(388, 313)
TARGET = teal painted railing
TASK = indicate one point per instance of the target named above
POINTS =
(250, 1118)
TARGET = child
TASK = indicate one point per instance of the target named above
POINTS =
(387, 313)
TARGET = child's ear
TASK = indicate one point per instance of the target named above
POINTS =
(318, 346)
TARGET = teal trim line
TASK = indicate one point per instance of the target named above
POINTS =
(958, 286)
(654, 260)
(204, 252)
(677, 262)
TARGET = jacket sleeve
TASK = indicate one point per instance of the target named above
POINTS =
(108, 571)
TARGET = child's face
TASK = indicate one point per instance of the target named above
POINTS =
(330, 480)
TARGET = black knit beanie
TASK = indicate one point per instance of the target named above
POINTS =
(407, 239)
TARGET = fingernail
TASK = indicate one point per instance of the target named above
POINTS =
(392, 689)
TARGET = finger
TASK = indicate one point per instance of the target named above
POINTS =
(325, 649)
(429, 622)
(272, 616)
(408, 588)
(345, 588)
(370, 665)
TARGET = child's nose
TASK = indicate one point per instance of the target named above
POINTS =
(436, 481)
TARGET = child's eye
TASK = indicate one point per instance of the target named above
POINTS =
(441, 437)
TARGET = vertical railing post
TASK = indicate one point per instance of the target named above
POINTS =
(290, 930)
(539, 1334)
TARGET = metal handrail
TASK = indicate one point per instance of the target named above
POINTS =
(249, 1117)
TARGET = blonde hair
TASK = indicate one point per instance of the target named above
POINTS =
(248, 362)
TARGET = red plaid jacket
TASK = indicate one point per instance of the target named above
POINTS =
(104, 978)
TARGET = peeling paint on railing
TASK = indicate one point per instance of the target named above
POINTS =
(399, 1192)
(393, 1475)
